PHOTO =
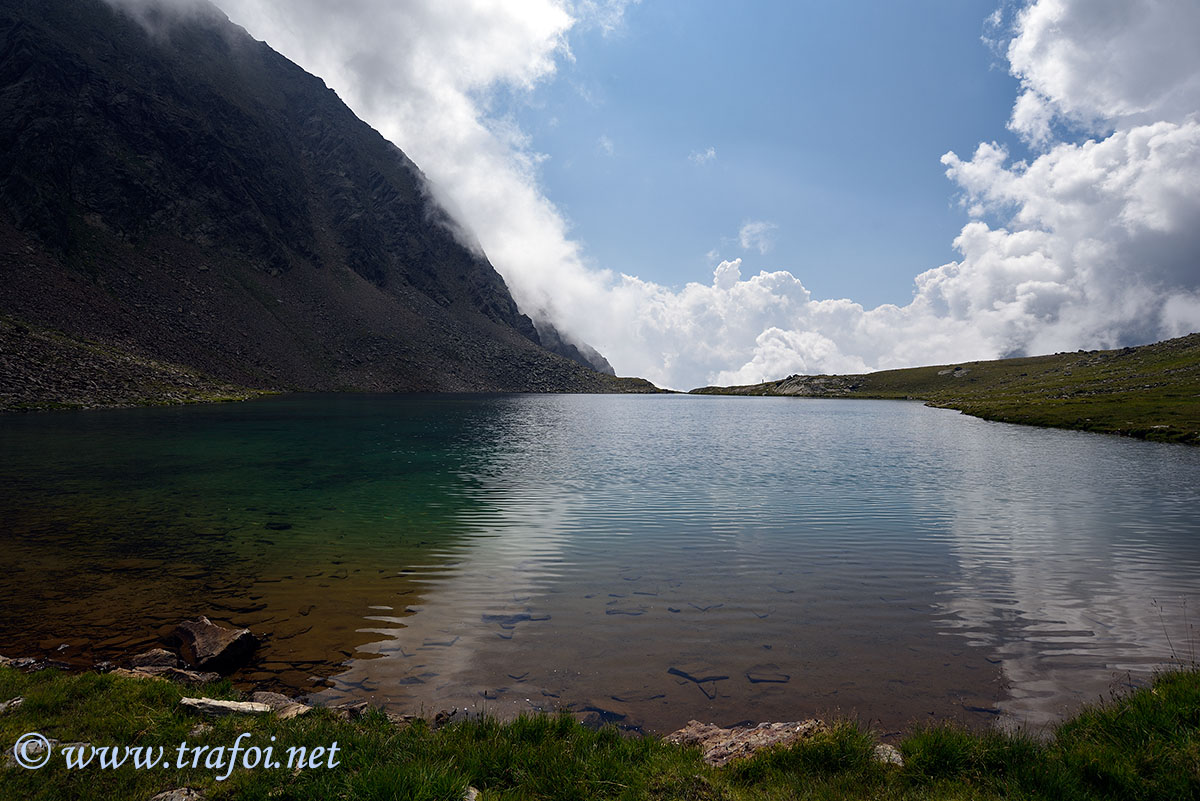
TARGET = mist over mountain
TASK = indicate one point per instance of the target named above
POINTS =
(172, 188)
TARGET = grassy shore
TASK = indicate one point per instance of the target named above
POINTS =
(1144, 744)
(1151, 392)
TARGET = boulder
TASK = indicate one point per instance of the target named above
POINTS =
(207, 646)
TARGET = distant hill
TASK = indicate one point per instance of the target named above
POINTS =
(1150, 392)
(175, 193)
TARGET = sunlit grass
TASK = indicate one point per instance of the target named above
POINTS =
(1142, 744)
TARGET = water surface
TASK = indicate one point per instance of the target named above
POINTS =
(647, 559)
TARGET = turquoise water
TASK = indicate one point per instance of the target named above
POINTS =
(648, 559)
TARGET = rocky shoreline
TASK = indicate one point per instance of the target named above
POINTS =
(205, 652)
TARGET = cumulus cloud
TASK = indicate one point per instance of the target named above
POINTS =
(757, 235)
(703, 156)
(1101, 64)
(606, 145)
(1090, 244)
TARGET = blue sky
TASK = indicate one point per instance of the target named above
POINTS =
(826, 120)
(926, 197)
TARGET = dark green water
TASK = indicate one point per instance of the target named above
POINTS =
(657, 558)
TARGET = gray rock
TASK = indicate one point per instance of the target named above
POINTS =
(292, 711)
(285, 708)
(207, 646)
(154, 658)
(720, 746)
(273, 700)
(178, 675)
(215, 708)
(11, 704)
(179, 794)
(888, 755)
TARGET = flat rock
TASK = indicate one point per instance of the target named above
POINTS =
(285, 708)
(292, 711)
(207, 646)
(167, 674)
(154, 658)
(720, 746)
(215, 708)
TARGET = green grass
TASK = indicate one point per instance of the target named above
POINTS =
(1144, 744)
(1151, 392)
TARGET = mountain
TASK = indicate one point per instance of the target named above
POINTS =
(1149, 392)
(177, 195)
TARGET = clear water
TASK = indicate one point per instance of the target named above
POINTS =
(650, 559)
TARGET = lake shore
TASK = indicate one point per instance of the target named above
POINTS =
(1137, 744)
(1150, 392)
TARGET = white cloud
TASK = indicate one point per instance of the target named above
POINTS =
(1102, 64)
(607, 15)
(757, 235)
(703, 156)
(605, 145)
(1088, 245)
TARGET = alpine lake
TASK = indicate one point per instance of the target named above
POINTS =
(643, 560)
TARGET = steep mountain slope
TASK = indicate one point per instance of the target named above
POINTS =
(177, 191)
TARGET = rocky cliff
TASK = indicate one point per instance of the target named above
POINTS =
(172, 189)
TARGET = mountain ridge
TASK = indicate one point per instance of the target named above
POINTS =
(175, 189)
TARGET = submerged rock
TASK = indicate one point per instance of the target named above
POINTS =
(207, 646)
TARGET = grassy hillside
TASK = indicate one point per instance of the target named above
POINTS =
(1151, 392)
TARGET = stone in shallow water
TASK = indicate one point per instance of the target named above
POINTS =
(205, 645)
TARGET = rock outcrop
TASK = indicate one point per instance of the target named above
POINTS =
(178, 199)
